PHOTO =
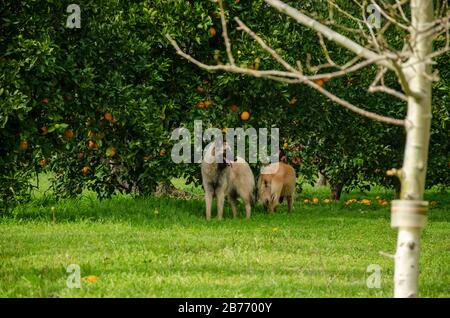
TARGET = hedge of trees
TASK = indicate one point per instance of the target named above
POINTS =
(96, 105)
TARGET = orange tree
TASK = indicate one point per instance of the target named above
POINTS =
(96, 105)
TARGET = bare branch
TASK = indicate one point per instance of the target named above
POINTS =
(225, 34)
(399, 6)
(387, 90)
(330, 34)
(346, 104)
(388, 17)
(263, 44)
(293, 75)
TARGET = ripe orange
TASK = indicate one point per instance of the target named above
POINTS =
(245, 116)
(23, 145)
(43, 130)
(43, 163)
(85, 170)
(319, 82)
(92, 145)
(68, 134)
(111, 151)
(234, 108)
(162, 152)
(200, 89)
(91, 278)
(207, 103)
(108, 116)
(212, 31)
(200, 104)
(45, 101)
(315, 200)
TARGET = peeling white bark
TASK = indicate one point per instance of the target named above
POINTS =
(413, 172)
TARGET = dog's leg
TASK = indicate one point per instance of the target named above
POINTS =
(220, 200)
(232, 199)
(208, 201)
(248, 209)
(290, 202)
(274, 203)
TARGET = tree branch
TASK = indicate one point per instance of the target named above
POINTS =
(225, 33)
(330, 34)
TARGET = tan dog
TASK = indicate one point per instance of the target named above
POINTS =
(231, 178)
(276, 182)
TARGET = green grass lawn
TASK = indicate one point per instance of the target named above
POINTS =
(163, 247)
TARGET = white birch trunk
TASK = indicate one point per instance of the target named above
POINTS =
(414, 168)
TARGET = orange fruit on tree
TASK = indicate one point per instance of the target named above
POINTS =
(207, 103)
(43, 163)
(23, 145)
(315, 200)
(108, 116)
(200, 104)
(68, 133)
(200, 89)
(85, 170)
(43, 130)
(234, 108)
(45, 101)
(212, 31)
(92, 145)
(111, 151)
(319, 82)
(245, 116)
(162, 152)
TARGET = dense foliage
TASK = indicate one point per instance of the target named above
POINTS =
(96, 105)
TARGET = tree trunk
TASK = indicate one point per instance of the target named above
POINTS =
(409, 212)
(336, 190)
(321, 181)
